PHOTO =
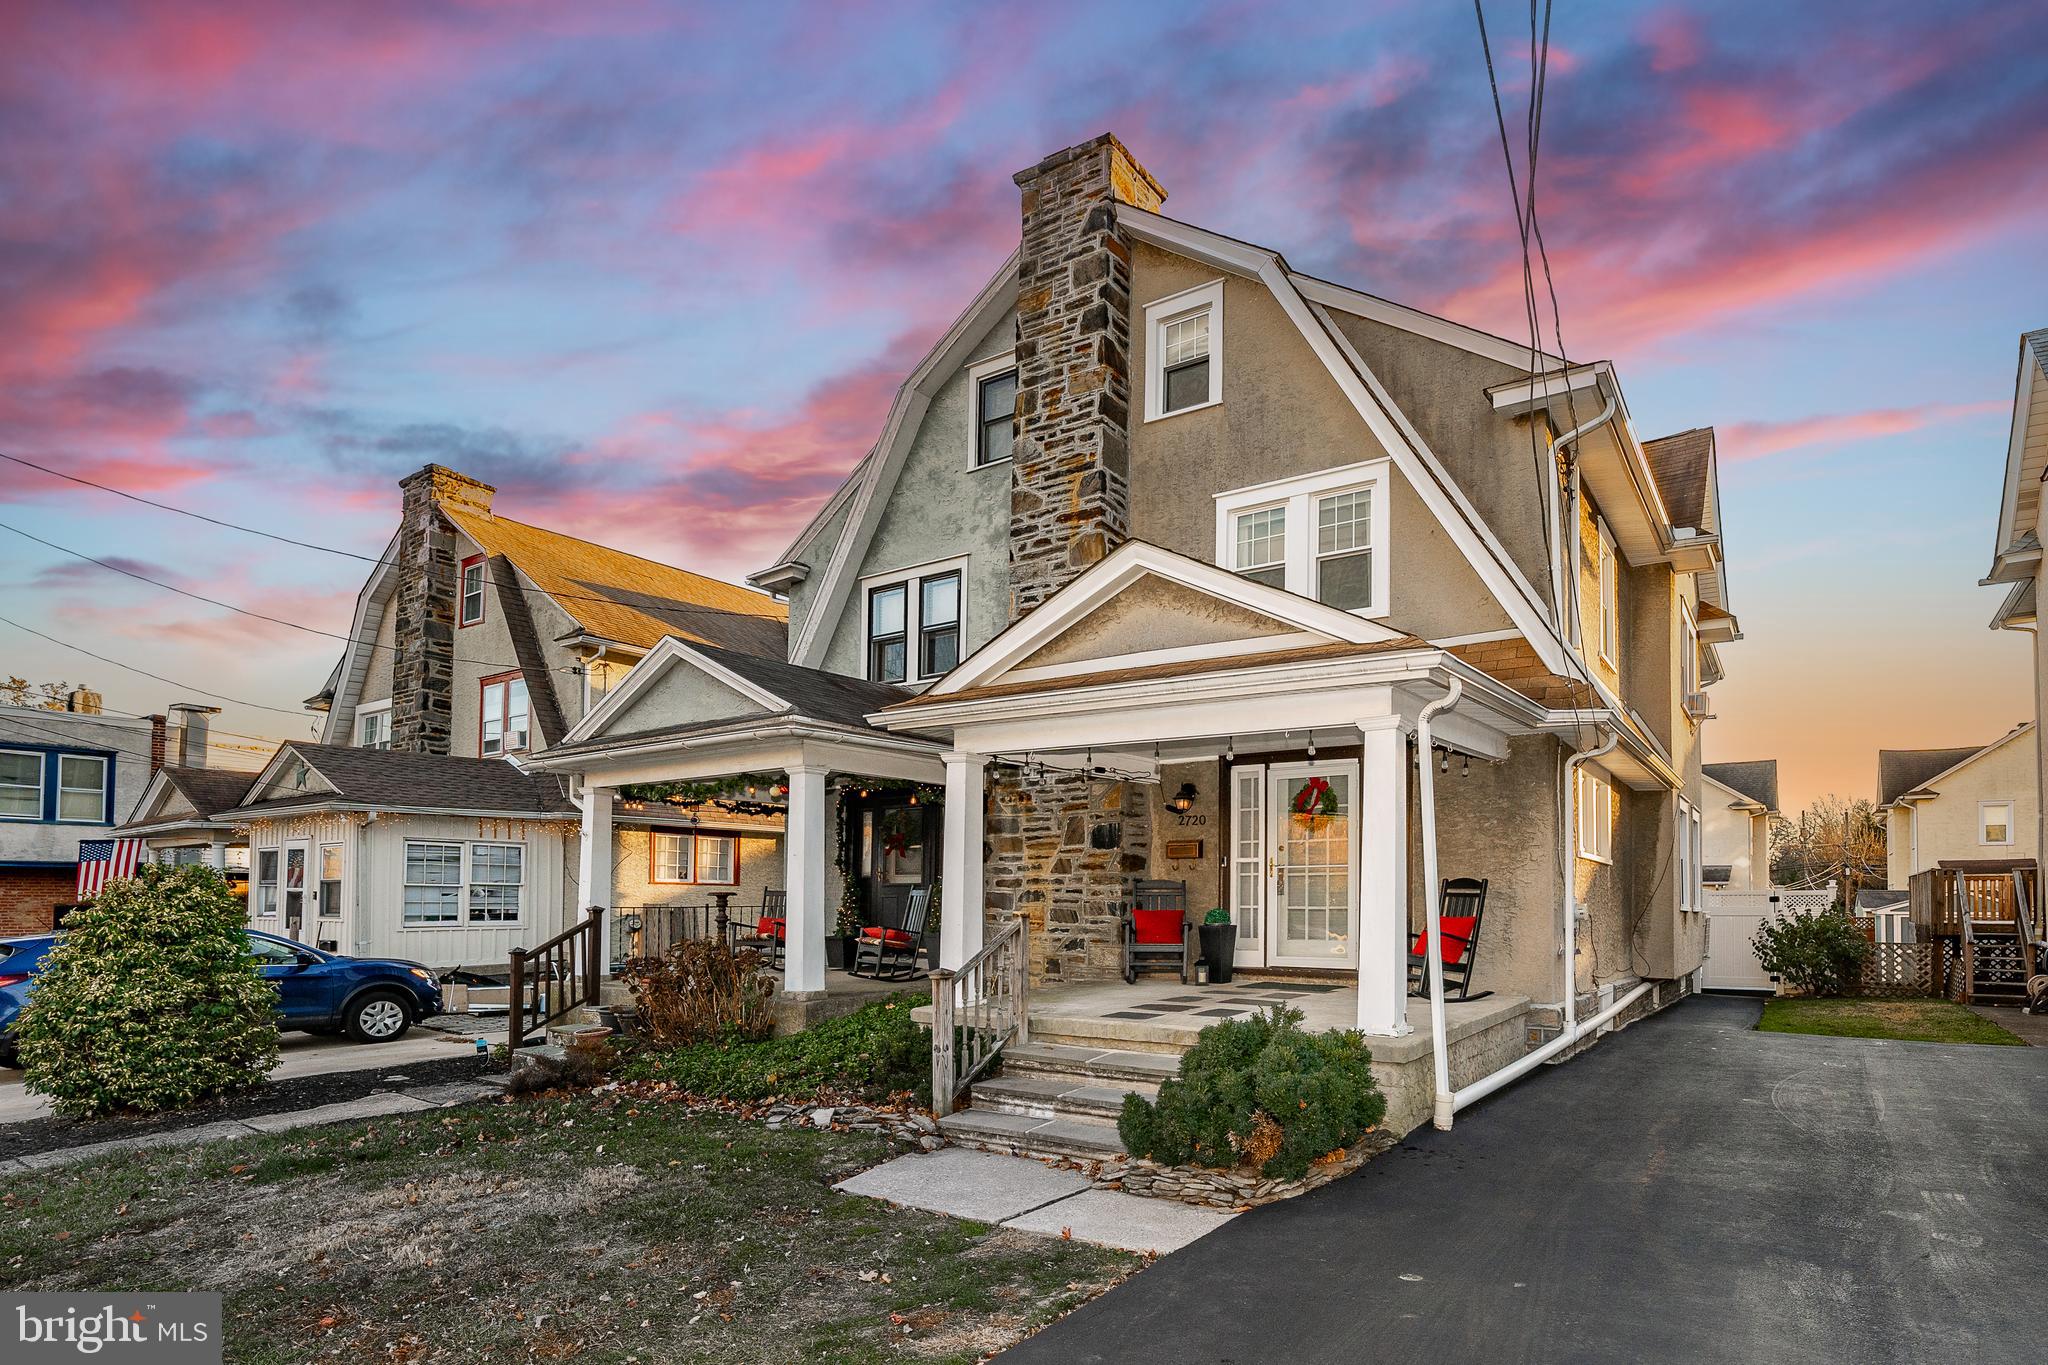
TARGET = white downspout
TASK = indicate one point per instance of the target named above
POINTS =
(1432, 899)
(1569, 536)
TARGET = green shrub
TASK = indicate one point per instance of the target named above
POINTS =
(1817, 952)
(1217, 916)
(150, 999)
(876, 1051)
(1260, 1092)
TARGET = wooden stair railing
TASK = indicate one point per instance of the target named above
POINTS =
(978, 1009)
(561, 975)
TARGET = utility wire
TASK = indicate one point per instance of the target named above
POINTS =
(77, 741)
(143, 672)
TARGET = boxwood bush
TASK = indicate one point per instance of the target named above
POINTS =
(876, 1051)
(1260, 1092)
(149, 1000)
(1817, 952)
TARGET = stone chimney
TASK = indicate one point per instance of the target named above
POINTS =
(192, 732)
(423, 666)
(81, 700)
(1069, 480)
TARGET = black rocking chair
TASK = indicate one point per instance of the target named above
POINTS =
(1155, 933)
(895, 950)
(1461, 904)
(770, 934)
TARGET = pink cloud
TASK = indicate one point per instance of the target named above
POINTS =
(1743, 441)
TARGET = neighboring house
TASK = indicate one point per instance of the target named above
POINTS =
(1739, 800)
(1162, 553)
(65, 775)
(1971, 809)
(2016, 560)
(477, 637)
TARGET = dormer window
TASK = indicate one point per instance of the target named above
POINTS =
(472, 591)
(1184, 349)
(502, 724)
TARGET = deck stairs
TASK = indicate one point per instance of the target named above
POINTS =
(1058, 1096)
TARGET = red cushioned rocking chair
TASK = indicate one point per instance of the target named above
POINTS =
(771, 930)
(895, 949)
(1460, 905)
(1156, 934)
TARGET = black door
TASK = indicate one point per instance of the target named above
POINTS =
(899, 853)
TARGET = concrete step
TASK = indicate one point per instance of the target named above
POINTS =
(1020, 1135)
(1090, 1065)
(1048, 1096)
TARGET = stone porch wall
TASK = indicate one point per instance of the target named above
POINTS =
(1043, 860)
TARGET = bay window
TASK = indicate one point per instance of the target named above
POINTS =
(1323, 536)
(503, 716)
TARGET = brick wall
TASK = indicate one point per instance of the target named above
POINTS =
(29, 897)
(423, 668)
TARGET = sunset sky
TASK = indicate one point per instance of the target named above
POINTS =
(654, 271)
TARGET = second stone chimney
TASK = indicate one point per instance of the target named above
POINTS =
(1069, 479)
(423, 663)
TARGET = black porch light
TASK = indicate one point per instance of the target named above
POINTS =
(1183, 800)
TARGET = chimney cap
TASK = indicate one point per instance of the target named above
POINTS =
(195, 707)
(1129, 181)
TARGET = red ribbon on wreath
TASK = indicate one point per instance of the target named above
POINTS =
(1315, 798)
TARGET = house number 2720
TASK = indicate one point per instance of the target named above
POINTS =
(1185, 821)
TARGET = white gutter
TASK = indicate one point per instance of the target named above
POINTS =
(1432, 899)
(1449, 1104)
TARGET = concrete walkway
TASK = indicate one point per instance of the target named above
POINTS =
(1689, 1190)
(2032, 1028)
(1031, 1197)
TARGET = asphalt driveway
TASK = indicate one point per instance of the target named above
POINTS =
(1689, 1190)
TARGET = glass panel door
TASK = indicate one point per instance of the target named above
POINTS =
(1314, 880)
(1248, 862)
(294, 890)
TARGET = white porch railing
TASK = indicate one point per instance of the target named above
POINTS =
(978, 1009)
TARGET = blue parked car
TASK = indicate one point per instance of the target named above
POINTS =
(372, 1000)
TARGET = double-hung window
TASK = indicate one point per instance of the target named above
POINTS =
(21, 784)
(1697, 839)
(1322, 536)
(1994, 822)
(913, 623)
(472, 590)
(1610, 598)
(1184, 350)
(330, 881)
(373, 728)
(1686, 870)
(700, 859)
(994, 385)
(433, 882)
(1688, 662)
(496, 874)
(1596, 817)
(266, 882)
(503, 716)
(82, 788)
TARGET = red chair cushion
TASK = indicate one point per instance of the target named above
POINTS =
(895, 938)
(772, 926)
(1157, 926)
(1457, 939)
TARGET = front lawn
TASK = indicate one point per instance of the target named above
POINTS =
(549, 1230)
(1911, 1021)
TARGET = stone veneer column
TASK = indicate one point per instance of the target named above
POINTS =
(423, 661)
(1069, 507)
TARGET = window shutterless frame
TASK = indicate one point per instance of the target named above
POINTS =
(938, 624)
(21, 784)
(470, 609)
(888, 632)
(1994, 823)
(1323, 535)
(504, 714)
(991, 409)
(1610, 597)
(1596, 817)
(82, 789)
(1184, 352)
(913, 623)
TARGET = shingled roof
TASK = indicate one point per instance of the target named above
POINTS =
(618, 596)
(1901, 770)
(1682, 464)
(210, 790)
(1757, 779)
(387, 778)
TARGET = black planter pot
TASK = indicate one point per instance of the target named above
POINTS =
(1219, 949)
(931, 948)
(838, 952)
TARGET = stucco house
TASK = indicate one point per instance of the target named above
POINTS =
(1172, 562)
(1971, 809)
(2016, 562)
(1739, 801)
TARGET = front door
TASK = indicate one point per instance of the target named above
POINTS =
(1294, 864)
(294, 890)
(898, 844)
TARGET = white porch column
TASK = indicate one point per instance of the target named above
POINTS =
(1383, 877)
(964, 908)
(217, 854)
(803, 851)
(594, 865)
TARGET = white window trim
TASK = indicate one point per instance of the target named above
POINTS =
(469, 883)
(2011, 818)
(913, 611)
(372, 708)
(695, 836)
(978, 371)
(257, 883)
(1608, 569)
(1299, 496)
(1162, 311)
(468, 855)
(1688, 661)
(1699, 862)
(42, 779)
(106, 777)
(320, 910)
(1593, 784)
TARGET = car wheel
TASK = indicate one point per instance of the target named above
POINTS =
(379, 1017)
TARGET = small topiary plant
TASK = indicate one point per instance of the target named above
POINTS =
(1217, 916)
(1818, 952)
(150, 1000)
(1260, 1092)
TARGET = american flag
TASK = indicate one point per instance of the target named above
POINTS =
(103, 860)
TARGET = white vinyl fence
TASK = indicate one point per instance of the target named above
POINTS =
(1732, 921)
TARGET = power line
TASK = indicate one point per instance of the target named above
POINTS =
(77, 741)
(143, 672)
